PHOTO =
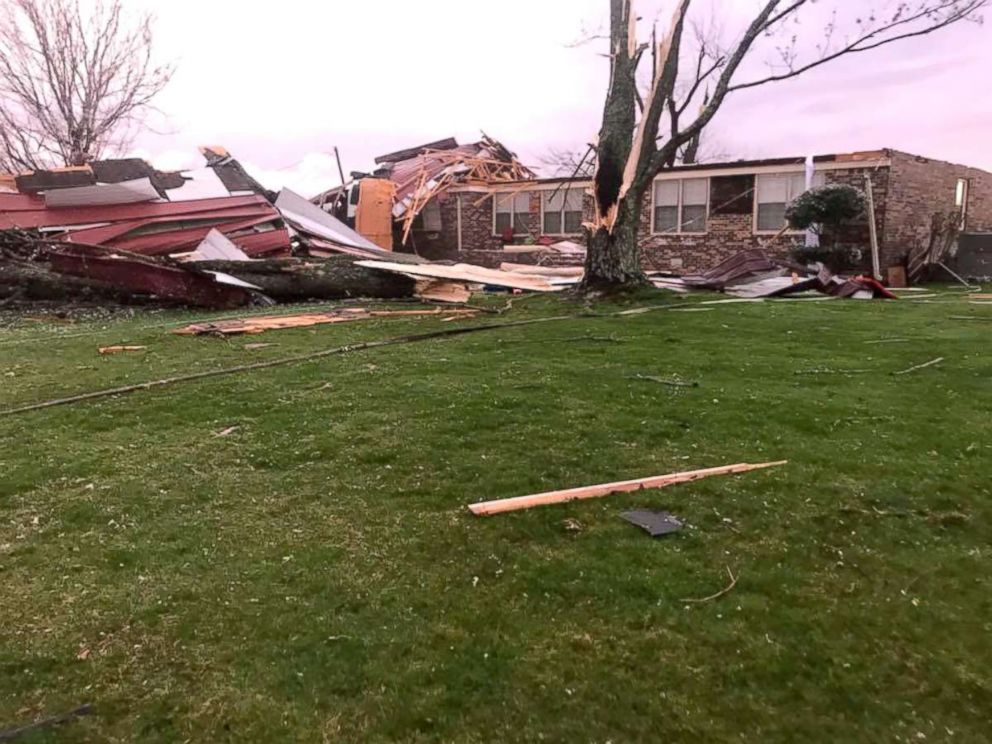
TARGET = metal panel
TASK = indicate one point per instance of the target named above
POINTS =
(103, 194)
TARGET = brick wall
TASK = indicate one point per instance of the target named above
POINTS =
(921, 187)
(730, 227)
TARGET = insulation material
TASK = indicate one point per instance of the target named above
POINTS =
(373, 219)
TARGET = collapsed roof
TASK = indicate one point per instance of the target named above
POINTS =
(129, 205)
(420, 174)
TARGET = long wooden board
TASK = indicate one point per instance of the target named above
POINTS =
(489, 508)
(465, 273)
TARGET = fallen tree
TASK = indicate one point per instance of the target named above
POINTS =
(296, 280)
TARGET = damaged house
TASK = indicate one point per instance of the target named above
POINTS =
(694, 217)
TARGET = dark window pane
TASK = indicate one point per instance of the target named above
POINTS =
(573, 222)
(771, 217)
(521, 224)
(666, 219)
(502, 222)
(552, 223)
(694, 218)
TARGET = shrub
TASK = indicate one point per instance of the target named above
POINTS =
(826, 209)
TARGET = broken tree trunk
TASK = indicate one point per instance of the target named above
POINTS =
(613, 258)
(34, 282)
(335, 278)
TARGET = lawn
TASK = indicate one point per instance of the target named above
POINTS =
(314, 575)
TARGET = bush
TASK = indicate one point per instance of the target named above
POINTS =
(826, 208)
(836, 258)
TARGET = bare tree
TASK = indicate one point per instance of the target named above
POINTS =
(72, 84)
(685, 64)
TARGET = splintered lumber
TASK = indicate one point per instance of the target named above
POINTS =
(439, 290)
(106, 350)
(558, 271)
(489, 508)
(261, 324)
(465, 273)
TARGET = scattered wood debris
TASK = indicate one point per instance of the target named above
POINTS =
(226, 432)
(439, 290)
(106, 350)
(503, 506)
(931, 363)
(261, 324)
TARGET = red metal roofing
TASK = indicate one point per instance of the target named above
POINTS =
(115, 225)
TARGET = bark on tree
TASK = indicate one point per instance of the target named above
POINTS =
(296, 280)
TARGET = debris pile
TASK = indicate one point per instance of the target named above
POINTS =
(753, 275)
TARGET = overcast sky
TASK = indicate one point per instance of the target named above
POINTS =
(280, 84)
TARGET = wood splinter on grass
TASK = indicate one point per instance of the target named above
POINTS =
(918, 367)
(104, 351)
(713, 597)
(520, 503)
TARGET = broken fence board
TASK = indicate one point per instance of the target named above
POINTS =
(520, 503)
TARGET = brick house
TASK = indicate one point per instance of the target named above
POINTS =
(698, 215)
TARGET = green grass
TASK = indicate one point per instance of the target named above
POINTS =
(315, 575)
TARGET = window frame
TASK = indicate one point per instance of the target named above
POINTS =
(681, 182)
(512, 197)
(755, 204)
(546, 195)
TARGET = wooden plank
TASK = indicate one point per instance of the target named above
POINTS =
(571, 271)
(261, 324)
(465, 273)
(490, 508)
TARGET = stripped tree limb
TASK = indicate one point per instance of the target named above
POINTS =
(44, 723)
(718, 595)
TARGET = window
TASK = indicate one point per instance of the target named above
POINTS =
(774, 194)
(961, 200)
(563, 211)
(512, 210)
(432, 216)
(681, 206)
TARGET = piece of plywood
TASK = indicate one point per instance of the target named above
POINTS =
(374, 213)
(490, 508)
(439, 290)
(263, 323)
(465, 273)
(558, 271)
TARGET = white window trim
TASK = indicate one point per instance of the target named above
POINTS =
(545, 194)
(754, 203)
(512, 196)
(679, 232)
